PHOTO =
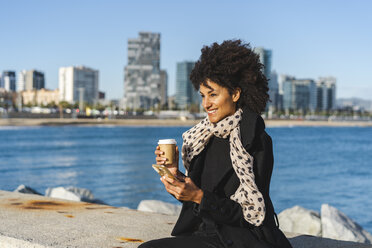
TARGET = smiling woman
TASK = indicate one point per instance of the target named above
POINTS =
(227, 156)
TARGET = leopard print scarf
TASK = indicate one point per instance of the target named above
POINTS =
(247, 194)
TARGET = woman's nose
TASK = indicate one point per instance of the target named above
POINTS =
(206, 103)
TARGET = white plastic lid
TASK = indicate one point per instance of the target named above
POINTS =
(167, 141)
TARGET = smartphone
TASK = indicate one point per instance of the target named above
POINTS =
(163, 170)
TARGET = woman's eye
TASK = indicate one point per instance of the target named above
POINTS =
(202, 96)
(213, 94)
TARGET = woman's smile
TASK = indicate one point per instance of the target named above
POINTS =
(211, 112)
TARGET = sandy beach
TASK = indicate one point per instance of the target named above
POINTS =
(167, 122)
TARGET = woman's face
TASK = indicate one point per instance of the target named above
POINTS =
(217, 101)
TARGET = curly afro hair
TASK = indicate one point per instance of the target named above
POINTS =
(232, 65)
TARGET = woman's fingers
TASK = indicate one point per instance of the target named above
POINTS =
(172, 181)
(186, 191)
(158, 151)
(177, 154)
(170, 188)
(160, 160)
(176, 185)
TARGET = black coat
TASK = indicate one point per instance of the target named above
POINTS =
(227, 214)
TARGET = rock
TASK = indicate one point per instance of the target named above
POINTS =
(26, 190)
(300, 220)
(156, 206)
(72, 194)
(336, 225)
(85, 194)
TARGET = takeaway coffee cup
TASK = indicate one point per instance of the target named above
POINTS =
(168, 146)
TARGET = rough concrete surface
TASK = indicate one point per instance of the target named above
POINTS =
(35, 220)
(32, 221)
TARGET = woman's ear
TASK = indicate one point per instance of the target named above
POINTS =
(236, 94)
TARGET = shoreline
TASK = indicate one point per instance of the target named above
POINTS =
(167, 122)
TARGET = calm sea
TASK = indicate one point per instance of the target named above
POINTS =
(313, 165)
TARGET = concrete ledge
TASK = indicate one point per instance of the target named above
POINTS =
(40, 222)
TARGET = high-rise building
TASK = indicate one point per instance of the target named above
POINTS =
(185, 92)
(21, 83)
(8, 81)
(163, 88)
(274, 90)
(281, 79)
(286, 90)
(299, 94)
(78, 84)
(326, 90)
(265, 59)
(144, 82)
(34, 80)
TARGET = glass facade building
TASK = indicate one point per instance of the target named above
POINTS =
(326, 90)
(8, 81)
(306, 94)
(299, 94)
(266, 59)
(78, 83)
(185, 92)
(34, 80)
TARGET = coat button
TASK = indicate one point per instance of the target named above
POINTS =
(213, 206)
(229, 242)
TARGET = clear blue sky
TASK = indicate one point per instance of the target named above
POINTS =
(308, 38)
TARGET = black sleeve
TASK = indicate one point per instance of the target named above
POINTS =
(221, 210)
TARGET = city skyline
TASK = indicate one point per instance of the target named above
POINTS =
(308, 40)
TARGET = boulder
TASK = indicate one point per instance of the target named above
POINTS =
(156, 206)
(70, 193)
(26, 190)
(336, 225)
(300, 220)
(85, 194)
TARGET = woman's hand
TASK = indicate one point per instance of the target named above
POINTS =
(183, 191)
(173, 168)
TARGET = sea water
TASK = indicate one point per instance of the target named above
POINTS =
(313, 165)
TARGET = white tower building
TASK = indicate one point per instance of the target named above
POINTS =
(78, 82)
